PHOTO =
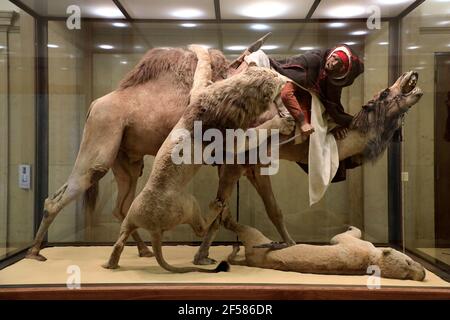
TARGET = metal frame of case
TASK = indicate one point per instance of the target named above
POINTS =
(395, 229)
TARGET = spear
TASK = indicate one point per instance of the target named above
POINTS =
(255, 46)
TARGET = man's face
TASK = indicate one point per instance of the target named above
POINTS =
(333, 65)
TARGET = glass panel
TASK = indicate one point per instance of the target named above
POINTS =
(89, 63)
(17, 124)
(426, 48)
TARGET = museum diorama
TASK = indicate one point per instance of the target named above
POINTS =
(225, 149)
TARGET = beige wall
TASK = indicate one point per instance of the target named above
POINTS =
(69, 98)
(418, 149)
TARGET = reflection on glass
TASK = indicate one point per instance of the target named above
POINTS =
(426, 146)
(16, 131)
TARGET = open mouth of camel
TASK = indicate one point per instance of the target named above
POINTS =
(408, 84)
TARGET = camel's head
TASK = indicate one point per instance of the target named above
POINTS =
(399, 97)
(382, 115)
(396, 265)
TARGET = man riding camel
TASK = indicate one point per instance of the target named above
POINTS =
(324, 73)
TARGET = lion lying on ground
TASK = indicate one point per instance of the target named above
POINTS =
(164, 203)
(347, 255)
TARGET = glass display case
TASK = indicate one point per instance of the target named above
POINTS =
(57, 57)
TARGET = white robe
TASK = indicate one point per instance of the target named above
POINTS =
(323, 157)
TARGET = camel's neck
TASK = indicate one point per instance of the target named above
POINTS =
(354, 143)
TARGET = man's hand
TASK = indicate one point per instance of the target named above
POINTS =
(306, 129)
(340, 133)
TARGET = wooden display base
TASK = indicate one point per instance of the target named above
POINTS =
(223, 292)
(143, 278)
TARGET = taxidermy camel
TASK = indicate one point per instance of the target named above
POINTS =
(133, 121)
(234, 103)
(347, 254)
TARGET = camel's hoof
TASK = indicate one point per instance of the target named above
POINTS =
(109, 266)
(273, 245)
(38, 257)
(146, 253)
(204, 261)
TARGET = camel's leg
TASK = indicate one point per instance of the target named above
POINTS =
(126, 174)
(75, 185)
(101, 140)
(125, 230)
(228, 176)
(263, 186)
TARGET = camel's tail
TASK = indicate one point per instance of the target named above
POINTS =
(90, 200)
(157, 249)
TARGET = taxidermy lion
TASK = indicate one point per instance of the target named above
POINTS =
(164, 203)
(346, 255)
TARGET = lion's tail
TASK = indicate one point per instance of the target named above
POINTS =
(157, 249)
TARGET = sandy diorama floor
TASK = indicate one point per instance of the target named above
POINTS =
(135, 270)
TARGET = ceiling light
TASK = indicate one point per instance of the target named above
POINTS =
(443, 23)
(258, 26)
(236, 48)
(106, 46)
(306, 48)
(392, 2)
(50, 45)
(188, 25)
(120, 24)
(264, 9)
(413, 47)
(350, 43)
(187, 13)
(384, 43)
(337, 24)
(358, 33)
(124, 62)
(346, 11)
(269, 47)
(108, 12)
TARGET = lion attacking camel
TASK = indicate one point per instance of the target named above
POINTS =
(134, 120)
(164, 203)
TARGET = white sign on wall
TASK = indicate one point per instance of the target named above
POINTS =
(25, 176)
